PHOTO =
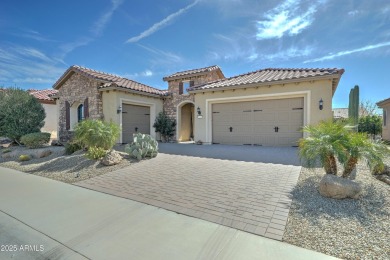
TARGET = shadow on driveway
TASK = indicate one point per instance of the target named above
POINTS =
(276, 155)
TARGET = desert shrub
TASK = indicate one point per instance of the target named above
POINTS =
(95, 153)
(7, 150)
(97, 133)
(371, 124)
(35, 140)
(24, 157)
(72, 146)
(164, 125)
(20, 114)
(143, 145)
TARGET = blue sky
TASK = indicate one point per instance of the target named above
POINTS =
(147, 40)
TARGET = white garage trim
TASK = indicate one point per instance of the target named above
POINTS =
(152, 107)
(209, 102)
(178, 115)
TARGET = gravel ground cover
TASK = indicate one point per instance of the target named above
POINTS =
(65, 168)
(347, 229)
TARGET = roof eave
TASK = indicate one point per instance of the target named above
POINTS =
(170, 78)
(116, 87)
(383, 103)
(261, 84)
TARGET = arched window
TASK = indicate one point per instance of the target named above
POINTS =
(80, 113)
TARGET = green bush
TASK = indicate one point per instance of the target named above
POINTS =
(24, 157)
(95, 153)
(72, 147)
(143, 146)
(7, 150)
(370, 124)
(35, 140)
(96, 133)
(164, 125)
(20, 114)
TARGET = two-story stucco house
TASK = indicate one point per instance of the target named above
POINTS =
(267, 107)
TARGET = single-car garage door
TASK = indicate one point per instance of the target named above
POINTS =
(135, 119)
(275, 122)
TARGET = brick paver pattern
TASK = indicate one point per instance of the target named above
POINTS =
(249, 196)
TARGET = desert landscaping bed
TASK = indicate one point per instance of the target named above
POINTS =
(66, 168)
(347, 229)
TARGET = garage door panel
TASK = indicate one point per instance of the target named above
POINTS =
(134, 118)
(254, 122)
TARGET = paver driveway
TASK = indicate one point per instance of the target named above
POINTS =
(249, 196)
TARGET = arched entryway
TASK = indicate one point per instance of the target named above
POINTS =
(185, 122)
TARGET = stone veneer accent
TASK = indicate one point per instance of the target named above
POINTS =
(75, 90)
(171, 102)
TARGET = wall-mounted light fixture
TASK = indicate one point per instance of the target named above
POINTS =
(119, 110)
(321, 104)
(199, 112)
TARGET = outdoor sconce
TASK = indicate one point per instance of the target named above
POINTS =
(119, 110)
(199, 112)
(321, 104)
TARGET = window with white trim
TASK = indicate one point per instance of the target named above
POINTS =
(384, 116)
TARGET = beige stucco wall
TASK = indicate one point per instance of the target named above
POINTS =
(386, 127)
(311, 91)
(51, 120)
(112, 99)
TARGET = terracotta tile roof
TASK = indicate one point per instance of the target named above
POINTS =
(109, 80)
(383, 102)
(44, 94)
(191, 72)
(270, 75)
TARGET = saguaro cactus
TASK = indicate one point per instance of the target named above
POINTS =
(353, 109)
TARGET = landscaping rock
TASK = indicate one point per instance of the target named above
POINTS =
(42, 153)
(335, 187)
(56, 143)
(112, 158)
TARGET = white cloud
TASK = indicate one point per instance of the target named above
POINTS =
(348, 52)
(292, 52)
(101, 23)
(24, 64)
(162, 56)
(161, 24)
(290, 18)
(353, 12)
(145, 73)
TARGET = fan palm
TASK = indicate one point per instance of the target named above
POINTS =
(359, 147)
(326, 143)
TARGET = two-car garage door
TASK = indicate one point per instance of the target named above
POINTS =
(275, 122)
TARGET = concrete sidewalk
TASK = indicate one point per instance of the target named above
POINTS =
(76, 223)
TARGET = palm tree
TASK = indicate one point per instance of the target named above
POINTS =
(326, 143)
(359, 147)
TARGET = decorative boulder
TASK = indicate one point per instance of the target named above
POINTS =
(112, 158)
(335, 187)
(42, 153)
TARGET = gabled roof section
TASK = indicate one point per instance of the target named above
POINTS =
(193, 72)
(272, 76)
(44, 94)
(109, 81)
(383, 102)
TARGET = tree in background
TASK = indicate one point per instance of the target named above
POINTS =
(165, 125)
(369, 122)
(20, 113)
